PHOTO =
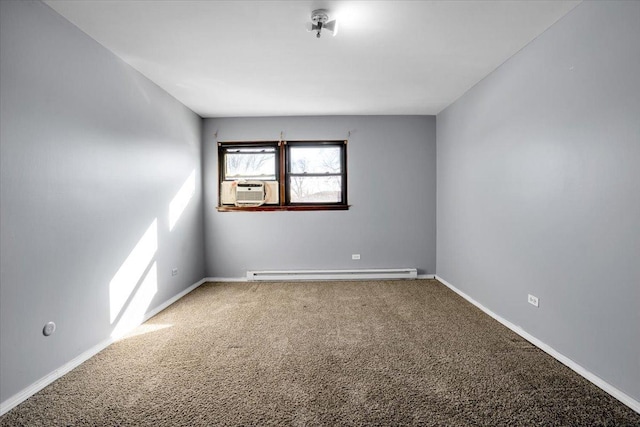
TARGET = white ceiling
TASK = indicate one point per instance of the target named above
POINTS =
(255, 58)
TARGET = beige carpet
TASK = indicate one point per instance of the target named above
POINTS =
(322, 353)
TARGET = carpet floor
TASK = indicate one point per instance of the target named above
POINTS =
(322, 353)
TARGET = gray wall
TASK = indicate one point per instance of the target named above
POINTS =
(392, 184)
(539, 190)
(91, 154)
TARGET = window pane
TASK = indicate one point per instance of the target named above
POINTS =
(315, 189)
(250, 163)
(316, 159)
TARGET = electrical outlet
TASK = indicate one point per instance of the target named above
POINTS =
(532, 300)
(174, 272)
(355, 256)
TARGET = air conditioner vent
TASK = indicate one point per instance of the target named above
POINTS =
(251, 196)
(250, 193)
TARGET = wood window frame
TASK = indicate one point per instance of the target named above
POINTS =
(283, 168)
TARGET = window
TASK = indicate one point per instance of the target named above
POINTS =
(315, 173)
(295, 175)
(250, 163)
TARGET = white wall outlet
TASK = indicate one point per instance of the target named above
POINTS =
(355, 256)
(532, 300)
(174, 272)
(48, 329)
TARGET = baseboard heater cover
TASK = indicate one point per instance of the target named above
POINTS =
(375, 273)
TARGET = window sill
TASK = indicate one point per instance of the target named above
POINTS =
(271, 208)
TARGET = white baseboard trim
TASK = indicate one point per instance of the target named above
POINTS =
(170, 301)
(226, 279)
(613, 391)
(244, 279)
(29, 391)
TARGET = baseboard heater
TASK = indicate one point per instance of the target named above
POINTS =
(375, 273)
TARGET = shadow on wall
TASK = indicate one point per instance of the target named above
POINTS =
(134, 285)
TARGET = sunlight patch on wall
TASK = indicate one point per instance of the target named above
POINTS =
(128, 276)
(181, 200)
(134, 313)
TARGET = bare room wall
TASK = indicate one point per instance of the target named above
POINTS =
(92, 158)
(538, 190)
(391, 179)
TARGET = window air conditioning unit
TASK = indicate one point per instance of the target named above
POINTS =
(235, 193)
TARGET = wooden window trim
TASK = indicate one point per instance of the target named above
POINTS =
(342, 174)
(282, 172)
(279, 208)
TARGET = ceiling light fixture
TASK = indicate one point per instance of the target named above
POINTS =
(320, 20)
